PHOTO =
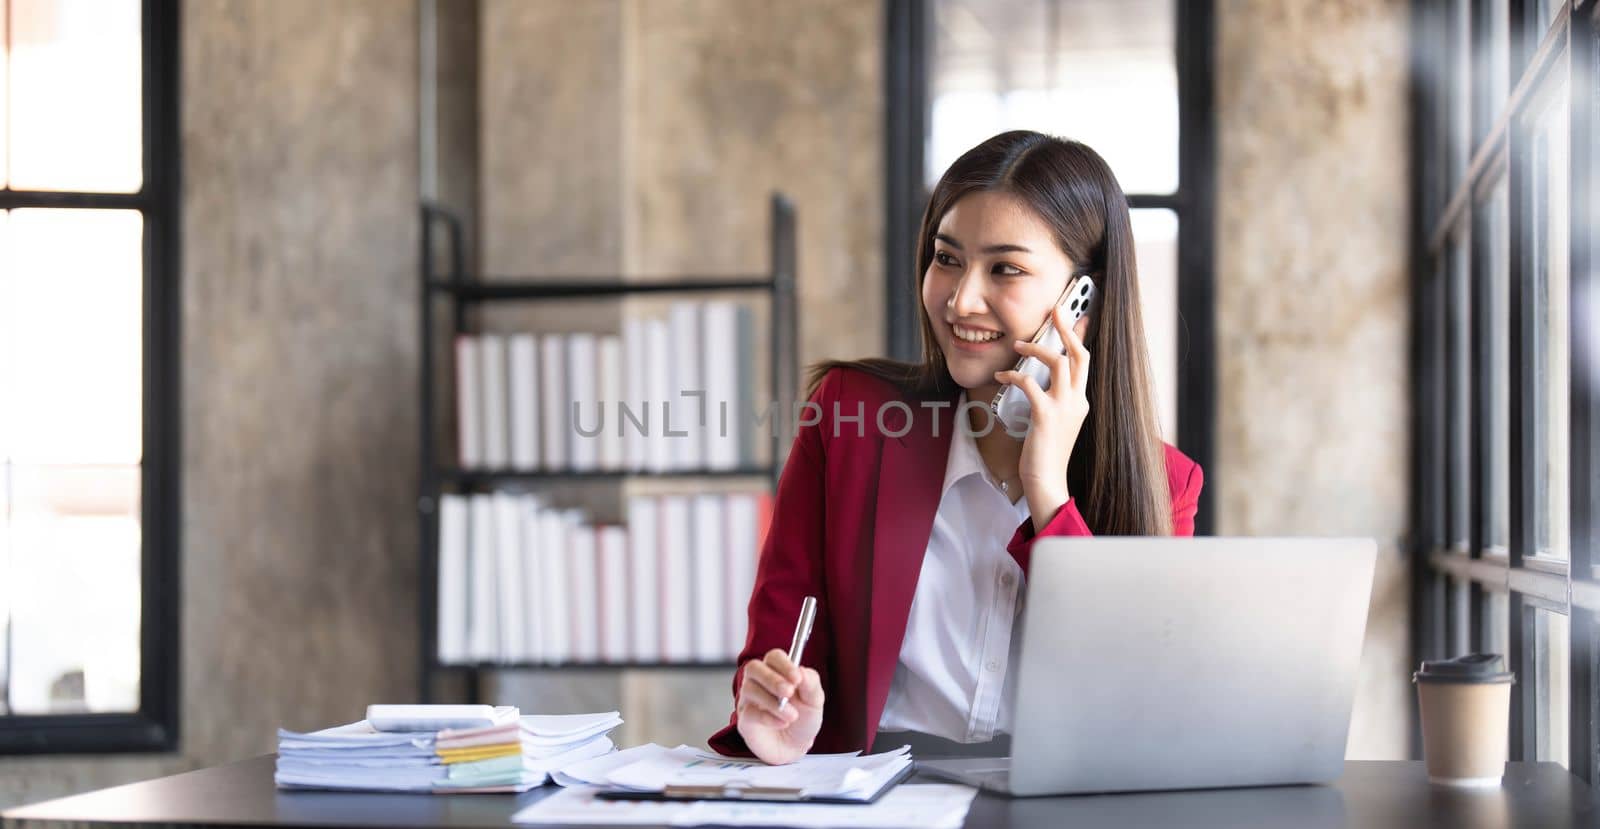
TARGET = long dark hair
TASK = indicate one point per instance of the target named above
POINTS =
(1119, 462)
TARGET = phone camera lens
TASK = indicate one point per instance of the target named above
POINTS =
(1075, 305)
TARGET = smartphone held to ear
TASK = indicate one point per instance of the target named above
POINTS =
(1011, 404)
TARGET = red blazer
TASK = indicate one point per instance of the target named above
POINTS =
(850, 525)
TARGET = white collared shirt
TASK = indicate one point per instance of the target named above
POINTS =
(954, 672)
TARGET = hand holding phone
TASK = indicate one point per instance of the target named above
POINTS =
(1011, 404)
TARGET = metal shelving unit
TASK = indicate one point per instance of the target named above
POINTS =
(461, 291)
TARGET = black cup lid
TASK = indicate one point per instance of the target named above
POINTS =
(1472, 668)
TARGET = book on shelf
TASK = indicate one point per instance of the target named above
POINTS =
(612, 543)
(582, 403)
(675, 581)
(634, 417)
(522, 369)
(453, 584)
(658, 373)
(708, 549)
(483, 632)
(492, 359)
(611, 385)
(508, 576)
(643, 558)
(685, 425)
(585, 604)
(521, 581)
(469, 402)
(553, 396)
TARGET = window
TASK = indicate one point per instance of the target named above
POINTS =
(88, 376)
(961, 71)
(1507, 389)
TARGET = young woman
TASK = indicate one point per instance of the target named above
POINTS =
(910, 515)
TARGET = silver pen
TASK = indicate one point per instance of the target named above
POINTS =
(802, 632)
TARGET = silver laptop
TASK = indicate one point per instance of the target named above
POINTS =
(1182, 663)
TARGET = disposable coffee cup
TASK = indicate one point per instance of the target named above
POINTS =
(1466, 719)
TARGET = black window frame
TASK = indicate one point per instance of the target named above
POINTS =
(1453, 320)
(906, 102)
(154, 727)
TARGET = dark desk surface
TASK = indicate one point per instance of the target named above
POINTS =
(1370, 794)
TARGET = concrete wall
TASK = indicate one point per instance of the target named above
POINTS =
(1311, 301)
(299, 372)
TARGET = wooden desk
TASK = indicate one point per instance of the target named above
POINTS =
(1370, 794)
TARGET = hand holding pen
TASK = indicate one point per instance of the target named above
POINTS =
(780, 702)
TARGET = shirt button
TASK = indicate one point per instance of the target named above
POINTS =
(993, 665)
(1006, 579)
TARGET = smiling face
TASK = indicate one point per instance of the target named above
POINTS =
(995, 274)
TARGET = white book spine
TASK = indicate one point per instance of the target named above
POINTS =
(659, 383)
(687, 409)
(485, 638)
(610, 400)
(522, 358)
(675, 597)
(635, 422)
(555, 589)
(613, 543)
(553, 397)
(709, 594)
(508, 576)
(469, 405)
(492, 354)
(532, 579)
(585, 589)
(582, 439)
(744, 405)
(720, 370)
(741, 568)
(644, 550)
(454, 541)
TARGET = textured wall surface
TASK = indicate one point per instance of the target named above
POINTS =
(549, 90)
(1311, 301)
(731, 99)
(299, 372)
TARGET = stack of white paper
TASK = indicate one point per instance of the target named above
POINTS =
(513, 754)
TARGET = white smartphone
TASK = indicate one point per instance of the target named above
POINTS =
(1011, 404)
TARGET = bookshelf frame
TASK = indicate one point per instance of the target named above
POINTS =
(461, 291)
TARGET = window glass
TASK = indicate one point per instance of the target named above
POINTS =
(1458, 85)
(1495, 435)
(1460, 616)
(1496, 622)
(1155, 236)
(70, 449)
(1549, 269)
(1458, 387)
(1551, 659)
(1058, 68)
(75, 76)
(1492, 67)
